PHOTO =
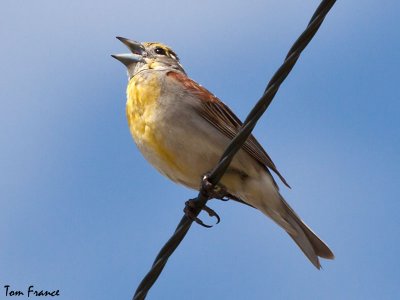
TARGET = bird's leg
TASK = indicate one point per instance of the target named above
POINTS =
(218, 192)
(190, 208)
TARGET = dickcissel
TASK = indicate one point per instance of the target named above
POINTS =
(182, 129)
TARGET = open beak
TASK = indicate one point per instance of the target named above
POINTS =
(135, 47)
(136, 56)
(128, 58)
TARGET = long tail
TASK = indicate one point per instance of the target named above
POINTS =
(279, 210)
(311, 245)
(263, 194)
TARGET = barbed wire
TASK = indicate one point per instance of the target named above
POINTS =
(237, 142)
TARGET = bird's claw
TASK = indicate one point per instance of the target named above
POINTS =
(212, 213)
(189, 211)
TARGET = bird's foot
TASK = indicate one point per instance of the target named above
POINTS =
(190, 212)
(214, 191)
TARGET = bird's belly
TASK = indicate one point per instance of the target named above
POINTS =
(182, 153)
(170, 162)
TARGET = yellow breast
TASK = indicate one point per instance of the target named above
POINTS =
(143, 93)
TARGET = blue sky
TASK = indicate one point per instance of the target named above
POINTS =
(83, 212)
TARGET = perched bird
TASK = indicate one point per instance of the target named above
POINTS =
(182, 129)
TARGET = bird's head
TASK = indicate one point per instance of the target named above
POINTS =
(148, 55)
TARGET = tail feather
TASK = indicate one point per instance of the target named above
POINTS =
(321, 249)
(263, 195)
(311, 245)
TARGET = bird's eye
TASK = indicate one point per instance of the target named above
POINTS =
(160, 51)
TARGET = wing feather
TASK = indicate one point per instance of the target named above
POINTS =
(222, 118)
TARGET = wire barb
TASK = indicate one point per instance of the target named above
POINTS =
(216, 174)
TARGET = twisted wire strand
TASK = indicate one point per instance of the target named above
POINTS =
(234, 146)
